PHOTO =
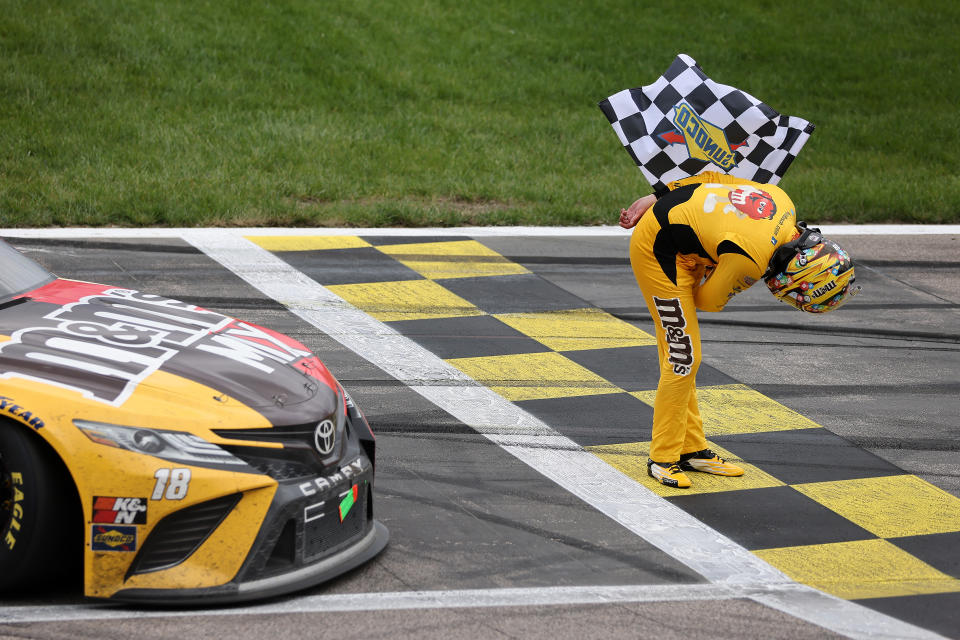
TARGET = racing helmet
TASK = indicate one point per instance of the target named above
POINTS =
(810, 272)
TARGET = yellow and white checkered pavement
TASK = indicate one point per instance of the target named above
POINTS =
(823, 511)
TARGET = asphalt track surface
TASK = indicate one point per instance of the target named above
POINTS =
(507, 375)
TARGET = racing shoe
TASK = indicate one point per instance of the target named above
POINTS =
(668, 473)
(708, 462)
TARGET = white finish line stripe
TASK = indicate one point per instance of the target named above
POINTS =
(706, 551)
(395, 601)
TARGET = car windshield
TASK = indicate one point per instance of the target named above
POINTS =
(18, 273)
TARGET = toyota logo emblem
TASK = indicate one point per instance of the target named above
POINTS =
(323, 437)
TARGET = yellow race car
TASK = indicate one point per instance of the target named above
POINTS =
(183, 455)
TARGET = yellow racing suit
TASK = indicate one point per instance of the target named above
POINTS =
(708, 238)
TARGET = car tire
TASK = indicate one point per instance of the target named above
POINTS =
(40, 517)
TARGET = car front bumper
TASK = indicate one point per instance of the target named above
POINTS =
(314, 530)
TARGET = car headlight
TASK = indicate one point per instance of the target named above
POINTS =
(175, 446)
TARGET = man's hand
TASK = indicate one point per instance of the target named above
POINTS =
(630, 216)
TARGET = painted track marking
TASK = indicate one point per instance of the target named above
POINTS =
(717, 558)
(407, 600)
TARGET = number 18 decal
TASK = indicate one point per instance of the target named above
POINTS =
(172, 484)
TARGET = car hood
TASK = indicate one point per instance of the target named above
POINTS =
(106, 341)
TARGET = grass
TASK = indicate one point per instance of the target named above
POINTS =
(444, 112)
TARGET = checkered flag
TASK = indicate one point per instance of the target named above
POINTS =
(685, 123)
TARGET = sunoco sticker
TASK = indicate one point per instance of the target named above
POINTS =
(108, 538)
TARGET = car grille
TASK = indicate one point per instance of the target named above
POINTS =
(298, 458)
(292, 465)
(178, 535)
